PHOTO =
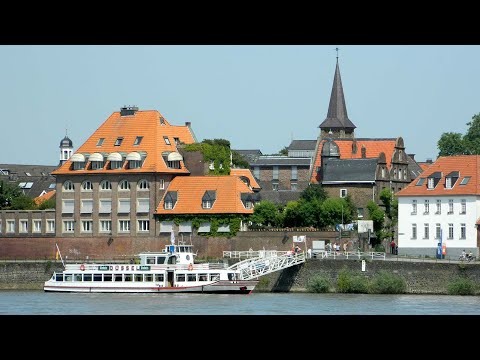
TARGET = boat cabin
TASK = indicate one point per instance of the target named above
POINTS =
(172, 254)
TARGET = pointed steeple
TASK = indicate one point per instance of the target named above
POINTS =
(337, 119)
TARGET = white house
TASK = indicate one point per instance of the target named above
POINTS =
(441, 208)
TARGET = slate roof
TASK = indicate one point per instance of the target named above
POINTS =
(150, 125)
(281, 160)
(279, 196)
(302, 145)
(249, 155)
(37, 182)
(353, 170)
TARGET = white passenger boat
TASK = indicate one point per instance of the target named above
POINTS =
(171, 271)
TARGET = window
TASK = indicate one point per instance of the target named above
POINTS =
(10, 226)
(450, 231)
(248, 204)
(105, 225)
(206, 204)
(464, 207)
(448, 182)
(420, 182)
(174, 164)
(143, 225)
(168, 205)
(118, 142)
(105, 185)
(463, 231)
(50, 226)
(294, 173)
(275, 186)
(450, 206)
(68, 186)
(123, 205)
(23, 226)
(143, 185)
(465, 180)
(176, 140)
(293, 186)
(167, 140)
(275, 173)
(68, 226)
(438, 231)
(52, 186)
(114, 164)
(360, 212)
(426, 207)
(343, 193)
(138, 140)
(383, 172)
(97, 165)
(256, 172)
(124, 225)
(37, 226)
(414, 207)
(100, 141)
(124, 185)
(87, 226)
(430, 183)
(68, 206)
(78, 165)
(143, 205)
(86, 206)
(439, 207)
(105, 206)
(425, 231)
(161, 184)
(87, 185)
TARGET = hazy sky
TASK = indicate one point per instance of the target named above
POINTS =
(255, 96)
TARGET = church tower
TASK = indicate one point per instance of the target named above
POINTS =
(66, 149)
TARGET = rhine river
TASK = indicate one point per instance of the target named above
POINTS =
(34, 302)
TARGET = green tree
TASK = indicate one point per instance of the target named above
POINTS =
(8, 192)
(451, 143)
(47, 204)
(472, 137)
(266, 213)
(377, 215)
(239, 161)
(314, 191)
(284, 151)
(332, 212)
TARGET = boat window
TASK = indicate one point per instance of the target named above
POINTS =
(107, 277)
(180, 277)
(97, 277)
(172, 259)
(128, 277)
(214, 277)
(150, 260)
(159, 277)
(161, 260)
(231, 276)
(148, 277)
(139, 277)
(59, 277)
(68, 277)
(191, 277)
(87, 277)
(78, 277)
(202, 277)
(117, 277)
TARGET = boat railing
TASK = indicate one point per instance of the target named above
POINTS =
(252, 254)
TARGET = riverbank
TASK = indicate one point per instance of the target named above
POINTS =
(421, 277)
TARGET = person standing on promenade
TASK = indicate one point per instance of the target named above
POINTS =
(392, 247)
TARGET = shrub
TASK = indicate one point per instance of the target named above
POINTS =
(461, 286)
(349, 283)
(388, 283)
(318, 284)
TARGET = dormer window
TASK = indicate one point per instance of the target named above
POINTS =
(448, 183)
(208, 199)
(433, 180)
(100, 141)
(134, 160)
(451, 179)
(138, 140)
(170, 200)
(167, 140)
(119, 140)
(177, 140)
(430, 183)
(465, 180)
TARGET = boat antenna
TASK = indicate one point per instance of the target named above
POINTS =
(59, 254)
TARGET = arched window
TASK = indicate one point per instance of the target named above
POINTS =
(105, 185)
(68, 186)
(87, 185)
(143, 185)
(124, 185)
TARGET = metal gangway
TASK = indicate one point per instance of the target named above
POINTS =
(267, 263)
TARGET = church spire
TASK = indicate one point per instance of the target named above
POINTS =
(337, 118)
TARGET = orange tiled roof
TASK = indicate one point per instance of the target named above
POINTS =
(47, 196)
(142, 123)
(248, 174)
(424, 165)
(373, 149)
(466, 165)
(190, 191)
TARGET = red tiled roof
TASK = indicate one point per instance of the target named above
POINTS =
(142, 123)
(248, 174)
(373, 149)
(466, 165)
(191, 189)
(47, 196)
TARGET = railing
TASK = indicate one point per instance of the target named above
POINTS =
(252, 254)
(349, 254)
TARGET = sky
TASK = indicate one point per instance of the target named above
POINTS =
(256, 96)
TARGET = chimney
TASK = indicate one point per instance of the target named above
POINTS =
(364, 152)
(128, 110)
(412, 156)
(188, 123)
(429, 161)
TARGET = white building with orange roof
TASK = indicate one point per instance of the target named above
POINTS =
(114, 181)
(218, 203)
(441, 208)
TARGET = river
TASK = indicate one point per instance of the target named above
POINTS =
(36, 302)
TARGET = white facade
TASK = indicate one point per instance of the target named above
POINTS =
(455, 216)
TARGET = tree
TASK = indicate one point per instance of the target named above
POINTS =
(8, 192)
(451, 143)
(265, 213)
(378, 216)
(284, 151)
(314, 192)
(239, 161)
(333, 210)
